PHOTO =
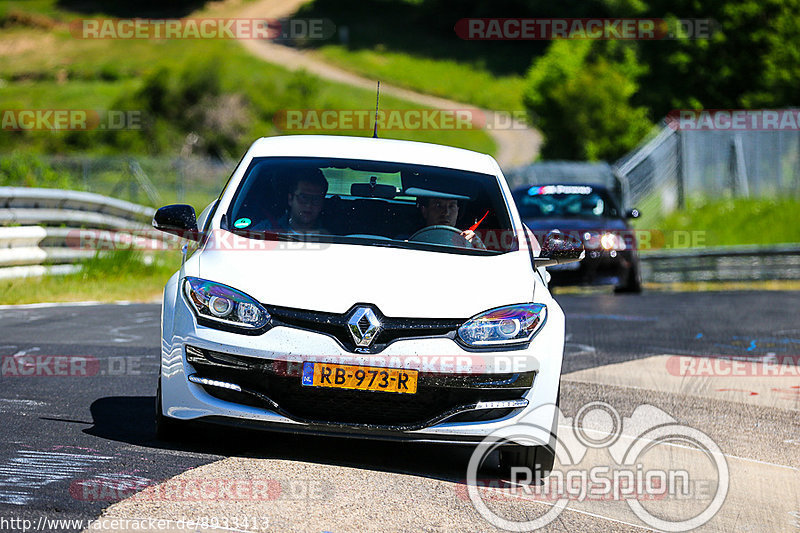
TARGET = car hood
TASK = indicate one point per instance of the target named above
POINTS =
(575, 224)
(400, 282)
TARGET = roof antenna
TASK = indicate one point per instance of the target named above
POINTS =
(377, 100)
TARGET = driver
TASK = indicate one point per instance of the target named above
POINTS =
(444, 212)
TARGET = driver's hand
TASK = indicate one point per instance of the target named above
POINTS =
(473, 238)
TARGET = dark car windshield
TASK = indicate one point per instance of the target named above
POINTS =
(565, 201)
(372, 202)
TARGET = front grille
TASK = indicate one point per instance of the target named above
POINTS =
(335, 325)
(436, 394)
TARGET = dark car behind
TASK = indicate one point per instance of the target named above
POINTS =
(591, 214)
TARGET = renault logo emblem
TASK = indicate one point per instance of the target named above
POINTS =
(364, 326)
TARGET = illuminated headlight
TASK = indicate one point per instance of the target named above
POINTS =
(514, 324)
(610, 241)
(224, 304)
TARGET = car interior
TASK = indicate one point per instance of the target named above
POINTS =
(361, 206)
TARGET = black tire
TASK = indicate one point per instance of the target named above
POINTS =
(167, 428)
(633, 283)
(539, 459)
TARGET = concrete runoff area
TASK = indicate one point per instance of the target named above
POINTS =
(762, 495)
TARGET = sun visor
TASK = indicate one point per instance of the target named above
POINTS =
(426, 193)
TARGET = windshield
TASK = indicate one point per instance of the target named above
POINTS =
(565, 201)
(372, 202)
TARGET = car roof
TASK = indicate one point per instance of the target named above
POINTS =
(375, 150)
(594, 186)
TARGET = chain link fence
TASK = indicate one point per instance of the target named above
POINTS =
(151, 181)
(673, 165)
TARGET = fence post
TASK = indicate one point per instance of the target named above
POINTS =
(738, 169)
(181, 180)
(680, 148)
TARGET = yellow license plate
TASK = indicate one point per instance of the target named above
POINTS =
(360, 377)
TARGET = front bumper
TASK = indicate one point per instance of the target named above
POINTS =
(599, 267)
(435, 414)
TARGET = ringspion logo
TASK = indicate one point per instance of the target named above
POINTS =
(640, 464)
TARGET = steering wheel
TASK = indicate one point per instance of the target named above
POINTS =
(441, 234)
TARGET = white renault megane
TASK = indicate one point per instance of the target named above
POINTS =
(364, 288)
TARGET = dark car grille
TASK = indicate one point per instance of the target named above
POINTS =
(335, 325)
(436, 395)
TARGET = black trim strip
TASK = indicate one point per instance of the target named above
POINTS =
(319, 431)
(408, 427)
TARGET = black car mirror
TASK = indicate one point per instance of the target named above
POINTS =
(559, 248)
(178, 219)
(373, 190)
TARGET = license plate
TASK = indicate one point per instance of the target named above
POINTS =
(360, 377)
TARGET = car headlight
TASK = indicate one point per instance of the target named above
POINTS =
(220, 303)
(612, 241)
(591, 240)
(514, 324)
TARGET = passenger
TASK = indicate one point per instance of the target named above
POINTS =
(306, 198)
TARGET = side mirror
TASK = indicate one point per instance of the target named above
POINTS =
(178, 219)
(632, 213)
(559, 248)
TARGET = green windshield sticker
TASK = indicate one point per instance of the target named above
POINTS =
(242, 223)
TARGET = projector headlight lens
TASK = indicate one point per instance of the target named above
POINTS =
(514, 324)
(223, 304)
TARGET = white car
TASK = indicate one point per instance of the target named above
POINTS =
(367, 288)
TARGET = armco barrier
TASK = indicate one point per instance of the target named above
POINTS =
(724, 263)
(31, 246)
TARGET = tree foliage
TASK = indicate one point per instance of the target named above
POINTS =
(579, 94)
(592, 101)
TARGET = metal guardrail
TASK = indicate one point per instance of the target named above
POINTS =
(29, 246)
(724, 263)
(60, 199)
(36, 248)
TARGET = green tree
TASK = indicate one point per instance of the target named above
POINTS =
(579, 94)
(751, 59)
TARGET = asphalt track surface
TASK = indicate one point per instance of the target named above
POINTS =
(58, 432)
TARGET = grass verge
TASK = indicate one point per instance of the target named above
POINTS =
(108, 277)
(48, 68)
(462, 82)
(733, 221)
(415, 45)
